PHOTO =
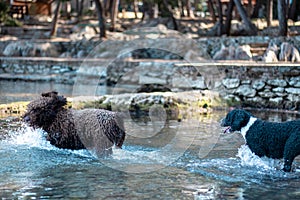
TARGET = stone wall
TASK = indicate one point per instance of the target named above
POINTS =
(262, 86)
(84, 48)
(247, 83)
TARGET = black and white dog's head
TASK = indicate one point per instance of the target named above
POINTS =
(235, 120)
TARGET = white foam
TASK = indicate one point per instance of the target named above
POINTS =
(248, 158)
(29, 137)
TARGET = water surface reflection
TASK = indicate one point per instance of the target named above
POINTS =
(208, 169)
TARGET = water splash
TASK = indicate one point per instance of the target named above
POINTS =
(29, 137)
(248, 158)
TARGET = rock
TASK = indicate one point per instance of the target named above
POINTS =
(293, 98)
(83, 33)
(256, 100)
(243, 53)
(271, 53)
(152, 80)
(293, 90)
(246, 90)
(276, 100)
(289, 52)
(246, 82)
(225, 53)
(266, 94)
(231, 83)
(258, 84)
(232, 98)
(152, 88)
(278, 89)
(277, 82)
(81, 54)
(30, 49)
(198, 83)
(295, 81)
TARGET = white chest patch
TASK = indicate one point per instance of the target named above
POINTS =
(245, 129)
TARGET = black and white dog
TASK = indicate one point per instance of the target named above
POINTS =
(271, 139)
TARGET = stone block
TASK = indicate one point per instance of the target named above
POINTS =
(277, 82)
(246, 90)
(293, 90)
(231, 83)
(258, 84)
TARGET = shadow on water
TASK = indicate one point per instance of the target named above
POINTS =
(205, 164)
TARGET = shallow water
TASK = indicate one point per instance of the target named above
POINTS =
(14, 91)
(179, 160)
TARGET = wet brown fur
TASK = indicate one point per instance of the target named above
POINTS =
(94, 129)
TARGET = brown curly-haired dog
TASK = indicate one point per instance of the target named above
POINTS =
(94, 129)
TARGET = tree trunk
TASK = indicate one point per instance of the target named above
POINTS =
(227, 25)
(220, 13)
(106, 7)
(292, 11)
(269, 12)
(135, 8)
(182, 8)
(54, 21)
(211, 10)
(250, 28)
(188, 9)
(166, 5)
(249, 8)
(281, 9)
(256, 9)
(80, 8)
(148, 9)
(101, 18)
(196, 5)
(114, 14)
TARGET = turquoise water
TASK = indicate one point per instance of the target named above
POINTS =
(180, 161)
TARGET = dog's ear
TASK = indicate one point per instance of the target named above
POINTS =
(240, 119)
(59, 101)
(50, 94)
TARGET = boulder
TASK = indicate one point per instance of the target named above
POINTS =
(30, 49)
(246, 90)
(231, 83)
(277, 82)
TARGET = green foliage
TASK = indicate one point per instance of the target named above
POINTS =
(5, 18)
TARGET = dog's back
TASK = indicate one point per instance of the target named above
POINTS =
(269, 138)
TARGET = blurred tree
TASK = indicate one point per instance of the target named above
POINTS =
(135, 8)
(170, 13)
(189, 10)
(181, 6)
(229, 11)
(249, 26)
(148, 9)
(80, 8)
(292, 10)
(114, 14)
(54, 21)
(211, 10)
(269, 12)
(257, 7)
(101, 18)
(220, 15)
(282, 17)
